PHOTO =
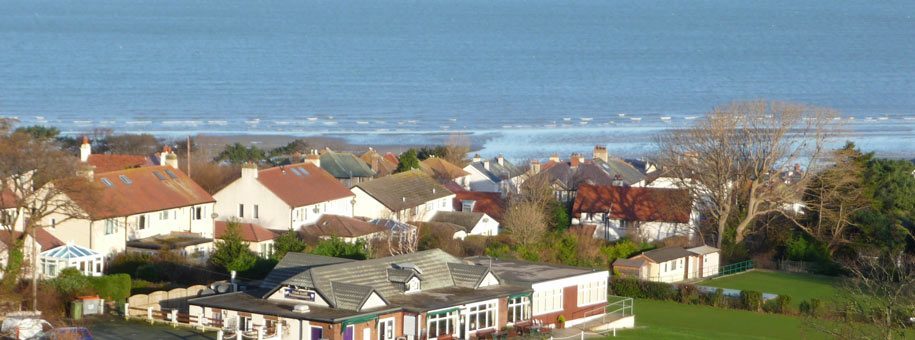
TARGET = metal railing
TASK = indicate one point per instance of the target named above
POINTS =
(734, 268)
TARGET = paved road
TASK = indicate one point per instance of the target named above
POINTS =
(135, 330)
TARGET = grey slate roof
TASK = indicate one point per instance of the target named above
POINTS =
(467, 275)
(703, 250)
(465, 219)
(613, 166)
(349, 296)
(295, 263)
(345, 165)
(525, 273)
(404, 190)
(667, 254)
(250, 301)
(629, 262)
(401, 275)
(594, 171)
(497, 172)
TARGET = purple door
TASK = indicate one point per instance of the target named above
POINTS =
(317, 333)
(348, 333)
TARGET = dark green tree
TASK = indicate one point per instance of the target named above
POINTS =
(408, 161)
(299, 146)
(287, 242)
(559, 216)
(232, 253)
(336, 247)
(239, 154)
(427, 152)
(40, 132)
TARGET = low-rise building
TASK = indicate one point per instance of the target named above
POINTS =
(283, 197)
(671, 264)
(260, 240)
(493, 175)
(650, 214)
(382, 165)
(348, 229)
(445, 172)
(346, 167)
(567, 176)
(473, 223)
(406, 196)
(423, 295)
(132, 205)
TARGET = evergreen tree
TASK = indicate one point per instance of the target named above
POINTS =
(408, 161)
(336, 247)
(232, 253)
(287, 242)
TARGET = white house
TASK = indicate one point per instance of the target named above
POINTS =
(284, 197)
(444, 171)
(136, 204)
(671, 264)
(648, 213)
(474, 223)
(496, 175)
(407, 196)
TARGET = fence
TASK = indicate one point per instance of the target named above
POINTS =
(798, 266)
(735, 268)
(175, 299)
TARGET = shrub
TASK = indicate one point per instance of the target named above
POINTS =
(114, 287)
(127, 263)
(625, 287)
(336, 247)
(718, 298)
(148, 272)
(689, 294)
(812, 307)
(783, 304)
(658, 290)
(751, 300)
(70, 283)
(261, 268)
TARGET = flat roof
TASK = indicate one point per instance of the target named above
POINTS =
(452, 296)
(527, 273)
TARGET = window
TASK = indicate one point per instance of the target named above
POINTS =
(593, 292)
(110, 226)
(547, 301)
(317, 332)
(125, 180)
(198, 213)
(141, 222)
(266, 250)
(244, 323)
(53, 223)
(413, 285)
(241, 210)
(256, 211)
(519, 309)
(386, 329)
(439, 324)
(107, 182)
(481, 316)
(163, 215)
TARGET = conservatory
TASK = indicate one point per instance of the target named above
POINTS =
(87, 261)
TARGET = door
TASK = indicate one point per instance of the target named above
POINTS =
(367, 333)
(317, 333)
(348, 333)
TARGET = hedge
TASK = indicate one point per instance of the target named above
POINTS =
(114, 287)
(690, 294)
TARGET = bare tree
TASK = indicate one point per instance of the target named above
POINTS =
(456, 148)
(878, 300)
(735, 157)
(38, 181)
(526, 221)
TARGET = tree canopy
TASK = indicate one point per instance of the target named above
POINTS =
(408, 161)
(232, 253)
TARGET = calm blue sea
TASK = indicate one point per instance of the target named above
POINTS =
(535, 75)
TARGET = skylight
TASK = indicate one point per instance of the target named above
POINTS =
(107, 182)
(304, 172)
(159, 175)
(296, 172)
(125, 180)
(171, 174)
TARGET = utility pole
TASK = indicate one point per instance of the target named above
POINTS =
(188, 156)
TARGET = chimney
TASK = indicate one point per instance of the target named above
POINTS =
(314, 158)
(554, 158)
(500, 159)
(168, 157)
(575, 160)
(85, 150)
(535, 167)
(486, 164)
(618, 181)
(249, 170)
(600, 152)
(476, 158)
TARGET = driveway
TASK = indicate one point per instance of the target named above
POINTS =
(137, 330)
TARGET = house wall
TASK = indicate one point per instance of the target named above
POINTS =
(90, 234)
(570, 290)
(649, 231)
(487, 226)
(164, 222)
(273, 213)
(710, 264)
(668, 271)
(307, 215)
(426, 211)
(367, 206)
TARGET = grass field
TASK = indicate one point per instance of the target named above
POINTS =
(672, 320)
(799, 286)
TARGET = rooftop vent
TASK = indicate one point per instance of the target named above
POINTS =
(301, 309)
(408, 266)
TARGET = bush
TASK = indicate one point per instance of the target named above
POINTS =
(751, 300)
(658, 290)
(812, 307)
(148, 272)
(625, 287)
(336, 247)
(70, 283)
(718, 298)
(689, 294)
(114, 287)
(127, 263)
(261, 268)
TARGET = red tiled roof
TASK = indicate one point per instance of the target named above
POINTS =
(391, 158)
(249, 231)
(7, 199)
(107, 163)
(146, 189)
(634, 203)
(298, 188)
(46, 240)
(342, 226)
(440, 168)
(489, 203)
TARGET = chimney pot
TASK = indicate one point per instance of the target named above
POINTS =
(500, 159)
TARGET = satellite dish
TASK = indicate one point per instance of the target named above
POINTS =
(214, 215)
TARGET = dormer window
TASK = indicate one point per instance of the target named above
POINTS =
(413, 286)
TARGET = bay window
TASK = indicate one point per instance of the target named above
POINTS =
(481, 316)
(519, 309)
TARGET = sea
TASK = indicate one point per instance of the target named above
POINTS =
(525, 78)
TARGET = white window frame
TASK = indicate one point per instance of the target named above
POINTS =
(111, 226)
(592, 293)
(485, 314)
(519, 309)
(448, 320)
(547, 301)
(390, 327)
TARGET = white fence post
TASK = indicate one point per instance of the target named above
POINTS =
(149, 311)
(582, 335)
(126, 311)
(260, 333)
(219, 335)
(174, 317)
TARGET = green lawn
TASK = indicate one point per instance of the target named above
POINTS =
(672, 320)
(799, 286)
